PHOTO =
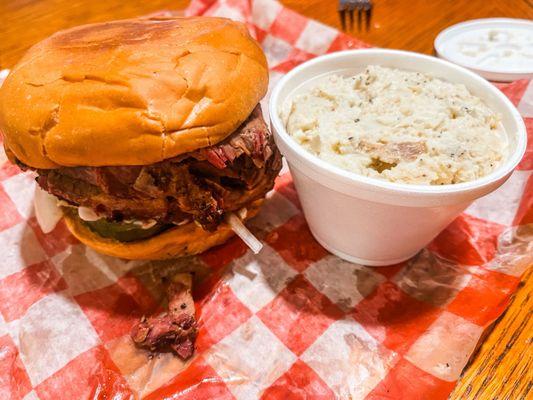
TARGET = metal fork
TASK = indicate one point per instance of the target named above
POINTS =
(363, 7)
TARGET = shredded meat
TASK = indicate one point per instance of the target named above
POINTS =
(244, 140)
(174, 330)
(202, 185)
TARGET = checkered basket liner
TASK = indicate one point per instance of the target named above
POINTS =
(293, 322)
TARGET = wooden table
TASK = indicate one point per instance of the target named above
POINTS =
(502, 367)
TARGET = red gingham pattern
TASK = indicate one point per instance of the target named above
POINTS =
(293, 322)
(14, 381)
(19, 291)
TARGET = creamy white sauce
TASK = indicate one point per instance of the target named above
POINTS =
(89, 215)
(509, 49)
(147, 224)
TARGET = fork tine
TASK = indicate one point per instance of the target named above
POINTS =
(342, 16)
(350, 14)
(359, 18)
(368, 13)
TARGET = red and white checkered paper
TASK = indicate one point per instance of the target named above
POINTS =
(293, 322)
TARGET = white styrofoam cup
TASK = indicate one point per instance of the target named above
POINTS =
(371, 221)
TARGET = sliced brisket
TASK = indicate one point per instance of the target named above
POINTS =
(202, 184)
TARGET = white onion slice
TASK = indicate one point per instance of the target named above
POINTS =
(47, 211)
(242, 231)
(88, 214)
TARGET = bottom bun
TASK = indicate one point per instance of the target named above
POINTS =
(175, 242)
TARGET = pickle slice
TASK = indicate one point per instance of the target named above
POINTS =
(123, 232)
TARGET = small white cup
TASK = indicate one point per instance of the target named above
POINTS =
(375, 222)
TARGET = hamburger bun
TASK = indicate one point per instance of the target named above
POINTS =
(175, 242)
(131, 92)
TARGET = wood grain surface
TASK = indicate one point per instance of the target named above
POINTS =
(503, 365)
(502, 368)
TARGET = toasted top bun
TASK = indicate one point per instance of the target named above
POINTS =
(178, 241)
(131, 92)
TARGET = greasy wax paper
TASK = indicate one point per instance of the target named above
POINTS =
(293, 322)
